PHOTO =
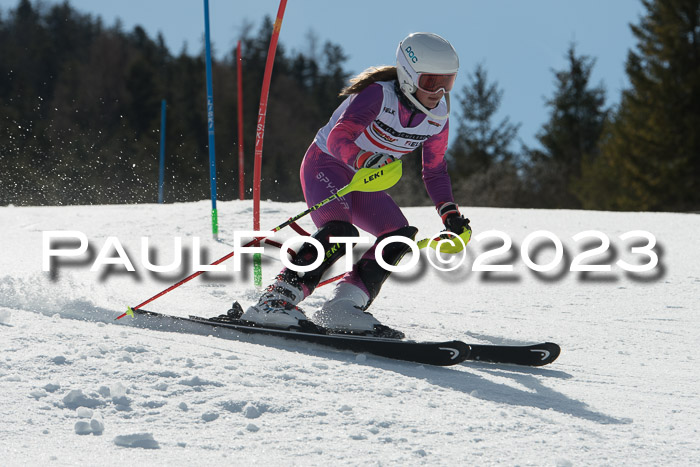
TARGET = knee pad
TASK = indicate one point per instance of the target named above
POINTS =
(369, 270)
(307, 254)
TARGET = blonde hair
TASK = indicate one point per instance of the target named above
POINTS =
(369, 76)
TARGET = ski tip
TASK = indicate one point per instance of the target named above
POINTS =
(546, 353)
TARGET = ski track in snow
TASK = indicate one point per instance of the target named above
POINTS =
(78, 388)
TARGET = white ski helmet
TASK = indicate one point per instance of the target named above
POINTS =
(428, 62)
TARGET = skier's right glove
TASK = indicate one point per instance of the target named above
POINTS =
(372, 160)
(454, 221)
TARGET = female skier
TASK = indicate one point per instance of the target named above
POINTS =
(389, 112)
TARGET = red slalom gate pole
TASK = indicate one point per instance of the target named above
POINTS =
(262, 111)
(260, 132)
(241, 172)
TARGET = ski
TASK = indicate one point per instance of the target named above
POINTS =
(443, 353)
(529, 355)
(430, 353)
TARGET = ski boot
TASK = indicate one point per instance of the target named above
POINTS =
(277, 306)
(344, 314)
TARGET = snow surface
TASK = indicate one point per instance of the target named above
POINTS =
(78, 388)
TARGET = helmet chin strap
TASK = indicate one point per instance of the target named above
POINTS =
(422, 108)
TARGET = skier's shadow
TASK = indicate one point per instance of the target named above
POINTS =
(472, 384)
(536, 395)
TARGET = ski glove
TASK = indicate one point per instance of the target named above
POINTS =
(454, 221)
(372, 160)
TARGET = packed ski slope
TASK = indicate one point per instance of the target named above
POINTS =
(76, 387)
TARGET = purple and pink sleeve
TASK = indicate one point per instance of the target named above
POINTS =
(435, 176)
(362, 111)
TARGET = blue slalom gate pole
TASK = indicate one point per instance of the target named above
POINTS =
(210, 122)
(161, 174)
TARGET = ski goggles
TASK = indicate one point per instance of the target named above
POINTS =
(434, 83)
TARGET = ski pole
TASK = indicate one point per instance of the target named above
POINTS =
(365, 180)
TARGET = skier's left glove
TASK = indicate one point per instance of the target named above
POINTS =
(454, 221)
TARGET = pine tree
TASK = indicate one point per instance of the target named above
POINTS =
(479, 143)
(650, 154)
(576, 119)
(481, 161)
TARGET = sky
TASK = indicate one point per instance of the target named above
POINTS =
(518, 42)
